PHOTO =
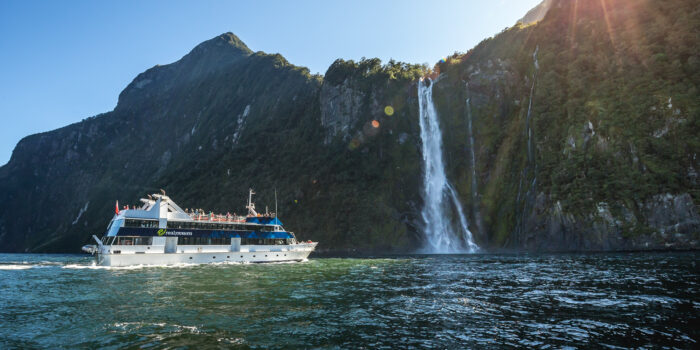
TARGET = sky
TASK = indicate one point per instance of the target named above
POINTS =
(64, 61)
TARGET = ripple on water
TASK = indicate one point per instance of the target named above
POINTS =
(470, 301)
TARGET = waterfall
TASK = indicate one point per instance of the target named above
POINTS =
(475, 194)
(439, 196)
(531, 165)
(530, 152)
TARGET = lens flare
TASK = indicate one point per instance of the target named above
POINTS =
(375, 124)
(389, 110)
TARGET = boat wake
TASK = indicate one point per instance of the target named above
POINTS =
(26, 265)
(171, 266)
(16, 267)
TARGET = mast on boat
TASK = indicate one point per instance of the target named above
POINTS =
(251, 205)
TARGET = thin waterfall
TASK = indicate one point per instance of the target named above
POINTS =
(476, 213)
(439, 196)
(530, 152)
(531, 165)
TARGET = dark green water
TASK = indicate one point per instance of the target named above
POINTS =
(467, 301)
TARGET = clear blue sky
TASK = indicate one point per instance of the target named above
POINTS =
(63, 61)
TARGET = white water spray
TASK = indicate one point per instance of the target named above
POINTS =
(438, 194)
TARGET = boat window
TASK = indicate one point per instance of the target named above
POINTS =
(176, 224)
(140, 223)
(143, 240)
(243, 228)
(252, 241)
(125, 241)
(203, 241)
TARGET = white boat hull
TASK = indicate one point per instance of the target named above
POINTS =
(297, 252)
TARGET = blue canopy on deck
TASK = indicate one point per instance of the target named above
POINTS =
(263, 220)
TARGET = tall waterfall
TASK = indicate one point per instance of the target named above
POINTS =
(440, 198)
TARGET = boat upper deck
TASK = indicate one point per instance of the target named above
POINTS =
(158, 211)
(161, 207)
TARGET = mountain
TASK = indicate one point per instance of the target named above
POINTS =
(584, 132)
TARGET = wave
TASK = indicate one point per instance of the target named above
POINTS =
(150, 326)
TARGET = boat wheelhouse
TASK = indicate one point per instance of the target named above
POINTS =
(159, 232)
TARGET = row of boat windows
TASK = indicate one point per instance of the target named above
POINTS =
(196, 225)
(126, 240)
(203, 241)
(227, 241)
(216, 226)
(140, 223)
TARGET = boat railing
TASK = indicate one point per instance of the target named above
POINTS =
(217, 217)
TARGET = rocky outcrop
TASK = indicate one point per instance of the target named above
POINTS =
(673, 216)
(664, 222)
(537, 13)
(340, 110)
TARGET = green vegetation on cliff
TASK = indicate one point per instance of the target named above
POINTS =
(614, 113)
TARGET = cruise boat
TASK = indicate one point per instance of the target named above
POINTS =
(159, 232)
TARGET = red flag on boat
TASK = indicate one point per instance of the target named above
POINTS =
(116, 208)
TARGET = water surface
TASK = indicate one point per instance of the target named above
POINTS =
(454, 301)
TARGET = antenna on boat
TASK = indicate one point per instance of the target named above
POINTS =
(276, 202)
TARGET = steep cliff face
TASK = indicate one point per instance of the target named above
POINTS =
(586, 127)
(579, 132)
